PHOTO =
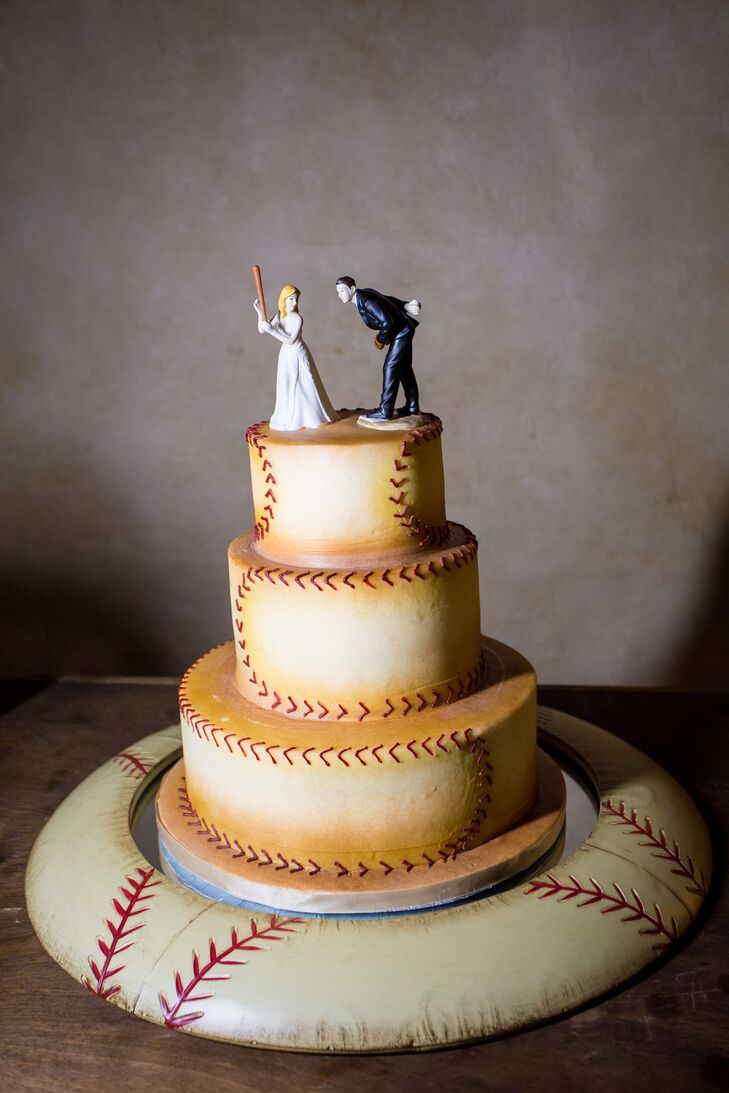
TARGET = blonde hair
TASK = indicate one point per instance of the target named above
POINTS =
(286, 291)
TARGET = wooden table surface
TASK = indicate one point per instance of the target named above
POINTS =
(666, 1031)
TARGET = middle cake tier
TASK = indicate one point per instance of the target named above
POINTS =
(347, 644)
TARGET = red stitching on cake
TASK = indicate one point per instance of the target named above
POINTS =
(365, 711)
(632, 912)
(221, 841)
(136, 895)
(321, 581)
(658, 843)
(254, 436)
(176, 1016)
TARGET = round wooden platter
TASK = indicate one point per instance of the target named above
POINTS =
(412, 981)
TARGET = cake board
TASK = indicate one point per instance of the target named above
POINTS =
(416, 981)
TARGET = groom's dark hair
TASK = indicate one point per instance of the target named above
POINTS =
(348, 281)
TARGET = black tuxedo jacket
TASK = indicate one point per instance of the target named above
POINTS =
(385, 314)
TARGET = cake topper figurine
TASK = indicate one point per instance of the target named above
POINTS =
(301, 400)
(395, 322)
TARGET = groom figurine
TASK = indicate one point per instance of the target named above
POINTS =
(395, 323)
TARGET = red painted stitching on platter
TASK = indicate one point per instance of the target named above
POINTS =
(136, 904)
(174, 1015)
(321, 580)
(137, 766)
(659, 843)
(255, 435)
(631, 912)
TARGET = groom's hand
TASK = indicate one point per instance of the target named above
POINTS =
(378, 343)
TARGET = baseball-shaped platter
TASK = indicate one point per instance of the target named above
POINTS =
(464, 972)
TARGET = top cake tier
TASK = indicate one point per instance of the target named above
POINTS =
(347, 492)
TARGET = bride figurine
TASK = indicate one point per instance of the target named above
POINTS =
(301, 401)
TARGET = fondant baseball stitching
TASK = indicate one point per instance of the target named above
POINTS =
(206, 729)
(427, 534)
(263, 857)
(588, 895)
(136, 766)
(658, 843)
(255, 436)
(174, 1015)
(136, 896)
(323, 579)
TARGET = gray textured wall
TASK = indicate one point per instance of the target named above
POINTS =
(550, 179)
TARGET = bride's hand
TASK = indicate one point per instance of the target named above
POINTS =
(264, 327)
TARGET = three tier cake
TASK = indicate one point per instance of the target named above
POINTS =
(358, 745)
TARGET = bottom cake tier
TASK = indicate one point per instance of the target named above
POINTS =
(320, 800)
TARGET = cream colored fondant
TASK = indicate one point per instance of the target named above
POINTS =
(420, 787)
(344, 491)
(342, 642)
(247, 875)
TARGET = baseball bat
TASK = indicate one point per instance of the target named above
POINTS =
(259, 290)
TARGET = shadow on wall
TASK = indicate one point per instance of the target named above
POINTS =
(73, 602)
(701, 658)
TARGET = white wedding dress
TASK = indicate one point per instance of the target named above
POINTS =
(301, 400)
